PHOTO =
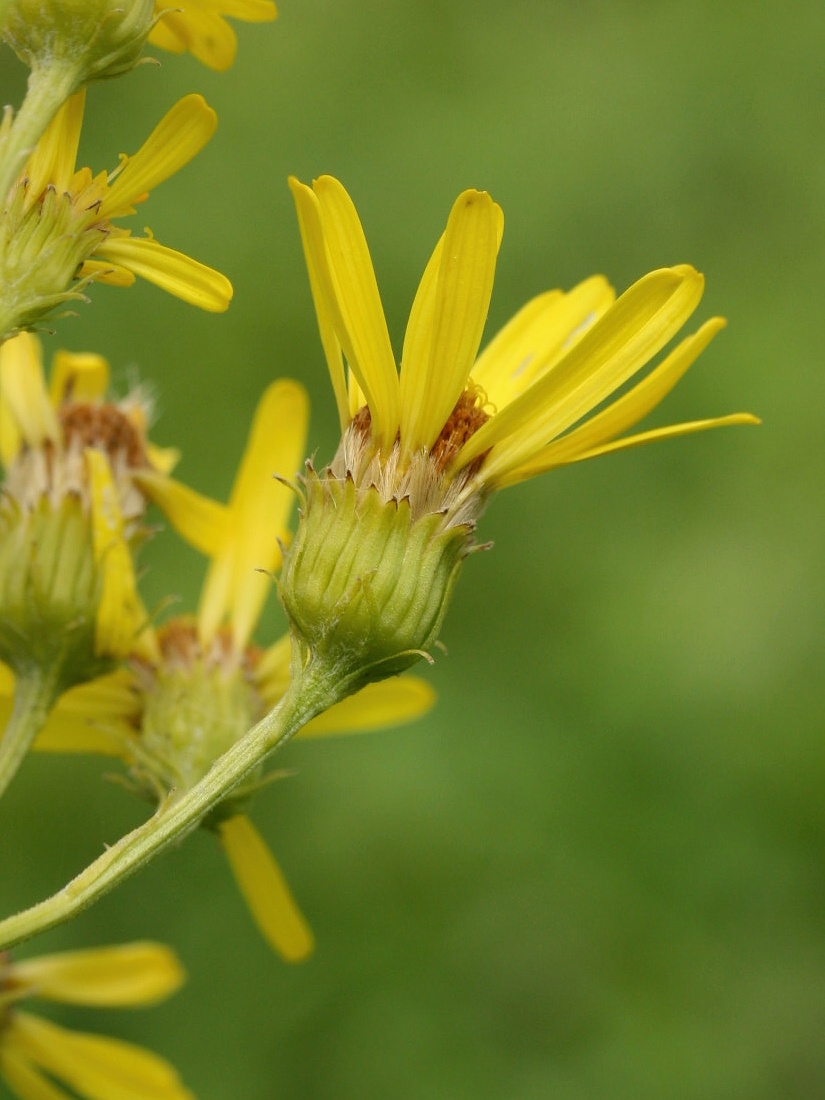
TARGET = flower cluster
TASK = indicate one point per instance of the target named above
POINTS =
(192, 707)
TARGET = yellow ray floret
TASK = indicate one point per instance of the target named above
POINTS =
(562, 357)
(201, 28)
(35, 1053)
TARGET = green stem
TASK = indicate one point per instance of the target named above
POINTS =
(312, 691)
(35, 693)
(48, 89)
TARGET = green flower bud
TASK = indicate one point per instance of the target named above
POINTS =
(96, 38)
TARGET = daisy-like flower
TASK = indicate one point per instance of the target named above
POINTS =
(58, 231)
(201, 28)
(173, 713)
(386, 526)
(38, 1057)
(70, 515)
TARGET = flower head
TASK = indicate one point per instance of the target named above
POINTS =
(201, 683)
(70, 510)
(428, 444)
(35, 1053)
(201, 28)
(58, 231)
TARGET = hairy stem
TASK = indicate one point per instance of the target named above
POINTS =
(313, 690)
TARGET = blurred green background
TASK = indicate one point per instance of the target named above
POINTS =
(598, 868)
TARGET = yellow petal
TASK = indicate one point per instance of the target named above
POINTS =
(28, 416)
(265, 890)
(250, 11)
(178, 137)
(628, 409)
(637, 326)
(120, 614)
(272, 671)
(162, 459)
(78, 376)
(259, 510)
(6, 681)
(99, 716)
(312, 239)
(128, 974)
(202, 32)
(360, 322)
(202, 522)
(431, 387)
(23, 1079)
(53, 160)
(387, 703)
(172, 271)
(108, 274)
(534, 339)
(671, 431)
(97, 1067)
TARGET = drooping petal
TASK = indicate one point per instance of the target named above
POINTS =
(128, 974)
(386, 703)
(265, 890)
(120, 614)
(360, 322)
(202, 522)
(172, 271)
(94, 1065)
(77, 376)
(312, 239)
(201, 32)
(637, 326)
(430, 387)
(201, 28)
(179, 136)
(259, 510)
(535, 338)
(27, 414)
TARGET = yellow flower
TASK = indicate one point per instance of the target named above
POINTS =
(70, 460)
(423, 447)
(58, 231)
(200, 27)
(173, 714)
(70, 516)
(35, 1053)
(525, 405)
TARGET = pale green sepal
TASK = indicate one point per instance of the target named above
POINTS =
(366, 587)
